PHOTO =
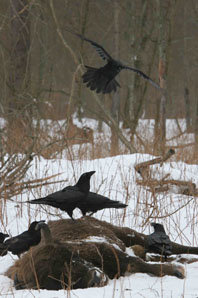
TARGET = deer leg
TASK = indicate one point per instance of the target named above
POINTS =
(137, 265)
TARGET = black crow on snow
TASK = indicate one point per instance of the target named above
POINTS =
(69, 197)
(21, 243)
(102, 79)
(95, 202)
(159, 242)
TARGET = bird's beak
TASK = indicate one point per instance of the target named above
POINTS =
(39, 225)
(91, 173)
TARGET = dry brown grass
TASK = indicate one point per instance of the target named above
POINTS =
(148, 206)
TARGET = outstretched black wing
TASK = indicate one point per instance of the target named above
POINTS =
(93, 76)
(100, 50)
(140, 73)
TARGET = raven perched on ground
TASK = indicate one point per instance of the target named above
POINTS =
(95, 202)
(102, 79)
(21, 243)
(159, 242)
(69, 197)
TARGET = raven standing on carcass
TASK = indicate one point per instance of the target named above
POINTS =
(21, 243)
(69, 197)
(159, 242)
(102, 79)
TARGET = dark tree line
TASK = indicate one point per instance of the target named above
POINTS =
(41, 63)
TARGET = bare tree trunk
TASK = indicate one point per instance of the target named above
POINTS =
(19, 117)
(195, 6)
(115, 97)
(136, 95)
(130, 100)
(84, 17)
(160, 129)
(187, 106)
(20, 44)
(196, 130)
(186, 69)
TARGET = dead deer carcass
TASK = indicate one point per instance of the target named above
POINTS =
(94, 242)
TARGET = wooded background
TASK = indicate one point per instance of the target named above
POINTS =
(41, 62)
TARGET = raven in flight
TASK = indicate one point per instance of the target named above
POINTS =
(95, 202)
(69, 197)
(102, 79)
(21, 243)
(159, 242)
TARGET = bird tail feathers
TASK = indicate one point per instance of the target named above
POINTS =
(95, 79)
(116, 205)
(41, 201)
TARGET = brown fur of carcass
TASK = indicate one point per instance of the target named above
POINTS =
(99, 243)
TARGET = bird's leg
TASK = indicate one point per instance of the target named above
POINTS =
(91, 213)
(70, 213)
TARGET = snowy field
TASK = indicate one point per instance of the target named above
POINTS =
(115, 177)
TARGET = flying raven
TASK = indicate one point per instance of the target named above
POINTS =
(159, 242)
(102, 79)
(21, 243)
(69, 197)
(95, 202)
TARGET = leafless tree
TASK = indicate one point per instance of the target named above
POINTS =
(115, 109)
(160, 121)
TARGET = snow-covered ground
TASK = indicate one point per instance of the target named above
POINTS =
(115, 177)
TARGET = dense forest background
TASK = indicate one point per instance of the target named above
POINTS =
(42, 64)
